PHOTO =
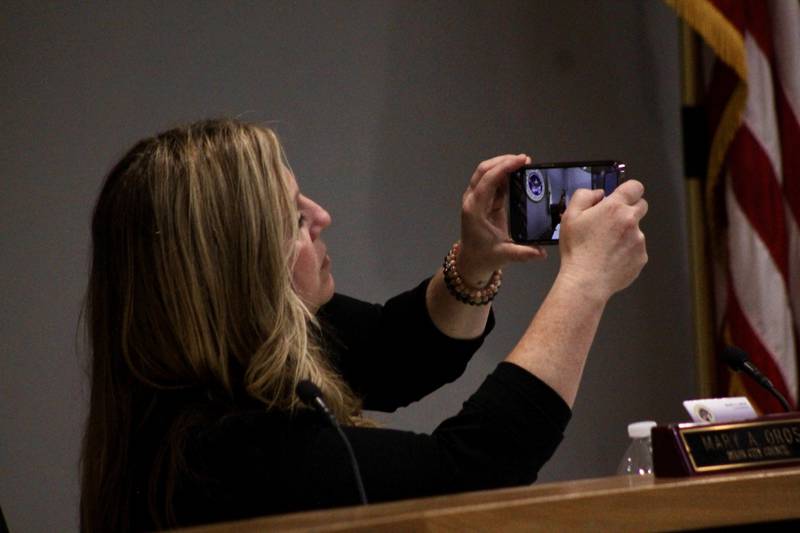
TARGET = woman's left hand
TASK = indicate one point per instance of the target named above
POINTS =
(485, 244)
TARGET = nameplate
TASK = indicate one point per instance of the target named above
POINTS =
(696, 449)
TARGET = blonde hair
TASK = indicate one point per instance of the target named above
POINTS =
(191, 286)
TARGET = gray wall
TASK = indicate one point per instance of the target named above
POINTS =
(385, 109)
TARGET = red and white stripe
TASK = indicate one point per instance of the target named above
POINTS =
(763, 200)
(785, 19)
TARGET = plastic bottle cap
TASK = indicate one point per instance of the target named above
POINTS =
(638, 430)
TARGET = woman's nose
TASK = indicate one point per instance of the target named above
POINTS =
(322, 219)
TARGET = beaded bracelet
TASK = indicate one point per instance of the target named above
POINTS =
(463, 292)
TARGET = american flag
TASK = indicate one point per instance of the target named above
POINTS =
(754, 182)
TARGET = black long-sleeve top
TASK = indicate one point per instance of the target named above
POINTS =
(242, 461)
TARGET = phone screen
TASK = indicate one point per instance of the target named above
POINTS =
(539, 194)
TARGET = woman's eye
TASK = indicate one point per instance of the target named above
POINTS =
(301, 221)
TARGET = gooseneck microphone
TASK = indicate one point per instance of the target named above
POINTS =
(311, 396)
(737, 359)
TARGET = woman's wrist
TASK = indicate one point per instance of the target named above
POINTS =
(588, 288)
(472, 267)
(471, 288)
(473, 275)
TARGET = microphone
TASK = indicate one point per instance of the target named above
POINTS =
(737, 359)
(311, 396)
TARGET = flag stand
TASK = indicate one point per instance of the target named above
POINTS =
(695, 154)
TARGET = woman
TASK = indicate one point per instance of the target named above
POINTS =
(210, 298)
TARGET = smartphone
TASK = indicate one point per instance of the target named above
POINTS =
(539, 194)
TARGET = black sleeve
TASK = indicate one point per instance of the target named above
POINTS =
(393, 354)
(253, 466)
(502, 436)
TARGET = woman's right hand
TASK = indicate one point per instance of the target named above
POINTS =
(485, 244)
(602, 247)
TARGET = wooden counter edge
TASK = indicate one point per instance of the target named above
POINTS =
(632, 503)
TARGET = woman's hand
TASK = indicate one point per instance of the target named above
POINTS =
(485, 245)
(602, 252)
(602, 248)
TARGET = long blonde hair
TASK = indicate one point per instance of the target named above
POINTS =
(191, 286)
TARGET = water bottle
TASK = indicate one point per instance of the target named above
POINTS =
(638, 458)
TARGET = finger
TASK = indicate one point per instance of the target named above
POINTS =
(489, 164)
(520, 253)
(583, 199)
(640, 208)
(483, 167)
(629, 192)
(486, 188)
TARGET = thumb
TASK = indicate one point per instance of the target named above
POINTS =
(583, 199)
(520, 253)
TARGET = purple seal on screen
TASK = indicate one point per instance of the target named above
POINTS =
(534, 185)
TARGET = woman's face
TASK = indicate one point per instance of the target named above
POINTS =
(311, 272)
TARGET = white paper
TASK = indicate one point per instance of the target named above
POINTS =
(711, 410)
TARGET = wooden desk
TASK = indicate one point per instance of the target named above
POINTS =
(613, 503)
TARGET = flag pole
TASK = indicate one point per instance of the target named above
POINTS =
(695, 156)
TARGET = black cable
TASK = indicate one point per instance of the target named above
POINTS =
(311, 395)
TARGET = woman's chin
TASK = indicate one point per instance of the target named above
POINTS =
(330, 288)
(323, 296)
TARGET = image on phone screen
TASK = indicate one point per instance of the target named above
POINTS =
(539, 195)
